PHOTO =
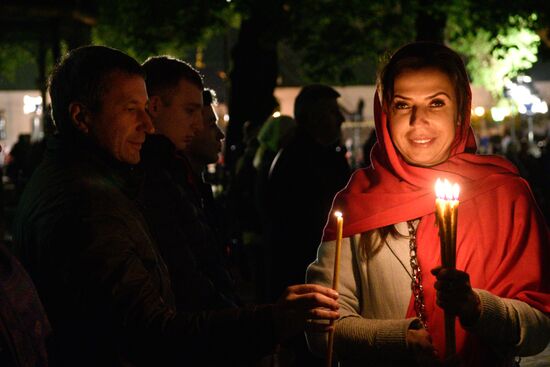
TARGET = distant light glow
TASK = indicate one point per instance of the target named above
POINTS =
(521, 94)
(499, 113)
(524, 79)
(541, 107)
(226, 117)
(479, 111)
(31, 104)
(526, 101)
(276, 114)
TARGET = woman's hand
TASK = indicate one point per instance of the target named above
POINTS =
(456, 296)
(300, 304)
(419, 342)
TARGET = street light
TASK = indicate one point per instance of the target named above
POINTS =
(528, 103)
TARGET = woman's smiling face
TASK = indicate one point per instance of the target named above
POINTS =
(423, 116)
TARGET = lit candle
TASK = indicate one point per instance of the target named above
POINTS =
(339, 228)
(446, 205)
(446, 213)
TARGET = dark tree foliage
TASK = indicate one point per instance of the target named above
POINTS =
(333, 36)
(144, 28)
(330, 41)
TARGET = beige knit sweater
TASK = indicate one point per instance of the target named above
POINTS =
(374, 297)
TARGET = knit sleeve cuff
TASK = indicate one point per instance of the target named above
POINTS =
(493, 313)
(393, 336)
(358, 338)
(495, 324)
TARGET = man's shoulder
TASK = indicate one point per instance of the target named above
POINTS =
(71, 183)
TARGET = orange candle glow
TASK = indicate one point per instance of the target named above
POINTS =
(446, 213)
(446, 205)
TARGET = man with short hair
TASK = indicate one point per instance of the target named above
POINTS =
(206, 146)
(79, 231)
(204, 150)
(175, 99)
(172, 202)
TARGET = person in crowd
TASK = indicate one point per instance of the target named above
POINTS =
(24, 327)
(173, 193)
(393, 291)
(246, 227)
(80, 234)
(173, 206)
(304, 177)
(274, 135)
(206, 145)
(17, 163)
(367, 148)
(204, 149)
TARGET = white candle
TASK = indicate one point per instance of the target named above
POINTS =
(337, 251)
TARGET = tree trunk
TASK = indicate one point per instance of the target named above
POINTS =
(430, 22)
(253, 80)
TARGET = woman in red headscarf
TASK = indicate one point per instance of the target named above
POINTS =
(393, 292)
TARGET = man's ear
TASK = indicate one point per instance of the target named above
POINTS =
(155, 104)
(80, 117)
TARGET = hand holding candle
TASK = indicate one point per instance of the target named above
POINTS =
(446, 213)
(339, 228)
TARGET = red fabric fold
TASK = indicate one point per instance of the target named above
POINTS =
(503, 242)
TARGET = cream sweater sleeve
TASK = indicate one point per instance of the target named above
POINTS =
(356, 337)
(511, 326)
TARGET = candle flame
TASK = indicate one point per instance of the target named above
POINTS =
(446, 191)
(338, 214)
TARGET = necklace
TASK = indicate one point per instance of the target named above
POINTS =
(416, 283)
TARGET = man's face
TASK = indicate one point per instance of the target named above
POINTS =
(329, 120)
(207, 144)
(121, 124)
(179, 117)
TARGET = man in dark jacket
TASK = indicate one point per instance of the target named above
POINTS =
(203, 150)
(304, 177)
(172, 201)
(82, 237)
(178, 221)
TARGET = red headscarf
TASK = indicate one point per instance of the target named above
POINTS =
(502, 240)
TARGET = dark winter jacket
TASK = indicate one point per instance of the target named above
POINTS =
(304, 178)
(103, 283)
(174, 208)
